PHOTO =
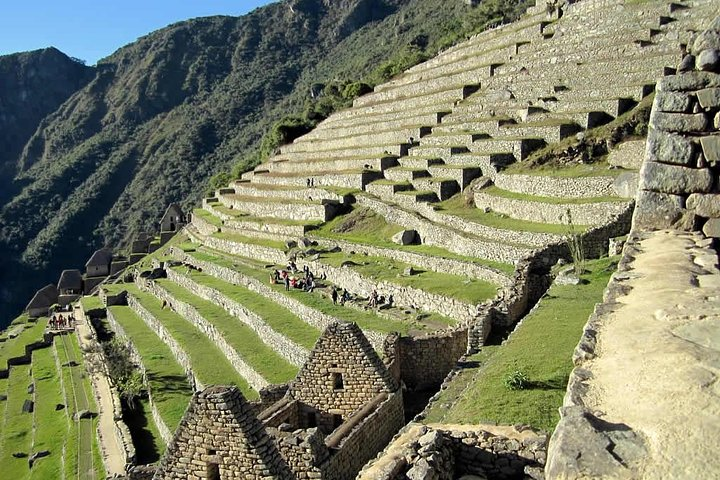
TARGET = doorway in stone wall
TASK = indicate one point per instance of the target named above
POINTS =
(213, 471)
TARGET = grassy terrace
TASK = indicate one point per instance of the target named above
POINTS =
(245, 217)
(52, 427)
(541, 348)
(456, 206)
(91, 303)
(261, 357)
(277, 317)
(234, 237)
(166, 379)
(380, 268)
(498, 192)
(597, 169)
(15, 347)
(208, 361)
(365, 227)
(16, 432)
(365, 319)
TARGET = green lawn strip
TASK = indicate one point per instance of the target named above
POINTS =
(208, 361)
(366, 320)
(465, 289)
(541, 348)
(456, 206)
(51, 425)
(91, 303)
(376, 232)
(277, 317)
(208, 217)
(498, 192)
(234, 237)
(583, 170)
(245, 217)
(72, 444)
(15, 347)
(248, 344)
(16, 432)
(179, 240)
(166, 379)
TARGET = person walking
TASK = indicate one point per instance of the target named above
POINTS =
(287, 282)
(334, 296)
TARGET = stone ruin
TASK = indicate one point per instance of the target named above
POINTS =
(342, 408)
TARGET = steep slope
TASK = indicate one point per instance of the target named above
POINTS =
(166, 112)
(32, 85)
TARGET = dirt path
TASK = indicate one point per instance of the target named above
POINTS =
(658, 357)
(112, 450)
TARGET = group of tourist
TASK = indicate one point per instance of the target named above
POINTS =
(60, 321)
(291, 277)
(377, 300)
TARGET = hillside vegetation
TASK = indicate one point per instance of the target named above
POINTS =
(164, 114)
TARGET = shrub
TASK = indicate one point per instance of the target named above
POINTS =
(516, 380)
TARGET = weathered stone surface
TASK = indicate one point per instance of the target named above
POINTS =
(675, 179)
(28, 406)
(712, 228)
(672, 102)
(615, 245)
(405, 237)
(716, 122)
(628, 154)
(626, 184)
(421, 471)
(711, 148)
(709, 97)
(707, 40)
(709, 60)
(655, 211)
(678, 122)
(687, 63)
(688, 81)
(705, 205)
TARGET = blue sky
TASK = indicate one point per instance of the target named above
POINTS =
(93, 29)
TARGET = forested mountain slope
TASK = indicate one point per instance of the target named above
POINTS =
(162, 115)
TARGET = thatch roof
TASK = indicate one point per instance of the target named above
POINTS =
(70, 280)
(44, 298)
(102, 257)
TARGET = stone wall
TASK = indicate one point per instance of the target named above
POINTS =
(189, 313)
(278, 342)
(203, 226)
(678, 180)
(220, 435)
(307, 314)
(265, 254)
(278, 209)
(561, 187)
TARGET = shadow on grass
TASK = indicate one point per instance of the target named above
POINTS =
(145, 443)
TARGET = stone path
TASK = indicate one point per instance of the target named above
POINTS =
(658, 358)
(112, 450)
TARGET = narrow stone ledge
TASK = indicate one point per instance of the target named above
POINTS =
(709, 97)
(705, 205)
(688, 81)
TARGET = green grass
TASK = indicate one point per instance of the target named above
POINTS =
(208, 217)
(91, 303)
(234, 237)
(541, 348)
(244, 217)
(166, 379)
(365, 227)
(15, 347)
(277, 317)
(16, 433)
(51, 426)
(365, 319)
(248, 344)
(456, 206)
(208, 361)
(597, 169)
(498, 192)
(469, 290)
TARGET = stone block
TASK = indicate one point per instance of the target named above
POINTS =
(709, 60)
(688, 81)
(672, 102)
(674, 179)
(655, 211)
(704, 205)
(628, 155)
(716, 122)
(709, 97)
(626, 185)
(711, 148)
(668, 148)
(678, 122)
(707, 40)
(711, 228)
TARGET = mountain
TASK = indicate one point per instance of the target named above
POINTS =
(162, 115)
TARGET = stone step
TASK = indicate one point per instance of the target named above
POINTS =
(409, 198)
(386, 188)
(548, 132)
(261, 207)
(361, 163)
(436, 152)
(635, 92)
(532, 210)
(288, 193)
(433, 110)
(443, 188)
(412, 120)
(520, 147)
(341, 178)
(460, 174)
(333, 142)
(489, 164)
(400, 174)
(419, 162)
(480, 123)
(559, 187)
(453, 139)
(368, 150)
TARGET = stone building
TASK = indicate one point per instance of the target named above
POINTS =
(97, 269)
(173, 219)
(41, 302)
(341, 409)
(70, 286)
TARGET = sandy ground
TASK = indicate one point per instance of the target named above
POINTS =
(110, 446)
(658, 358)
